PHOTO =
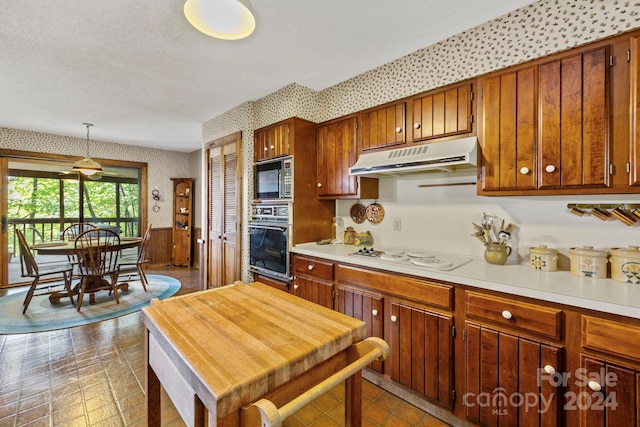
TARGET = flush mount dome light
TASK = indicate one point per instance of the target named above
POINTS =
(222, 19)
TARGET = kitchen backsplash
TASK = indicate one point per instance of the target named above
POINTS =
(440, 218)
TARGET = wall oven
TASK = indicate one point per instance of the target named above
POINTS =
(270, 240)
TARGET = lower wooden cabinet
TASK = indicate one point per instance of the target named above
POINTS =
(509, 379)
(608, 394)
(313, 280)
(363, 306)
(421, 356)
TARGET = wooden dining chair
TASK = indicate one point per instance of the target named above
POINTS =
(128, 263)
(96, 253)
(30, 268)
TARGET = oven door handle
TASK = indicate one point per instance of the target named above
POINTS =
(282, 228)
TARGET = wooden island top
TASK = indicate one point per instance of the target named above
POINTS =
(230, 346)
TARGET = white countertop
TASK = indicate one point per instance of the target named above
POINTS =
(561, 287)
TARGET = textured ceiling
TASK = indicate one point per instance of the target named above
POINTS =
(143, 76)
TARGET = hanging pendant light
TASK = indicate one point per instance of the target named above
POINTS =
(87, 166)
(222, 19)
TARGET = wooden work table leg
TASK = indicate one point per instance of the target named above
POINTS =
(353, 400)
(153, 391)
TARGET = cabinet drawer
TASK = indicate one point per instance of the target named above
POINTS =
(611, 336)
(426, 292)
(313, 267)
(526, 317)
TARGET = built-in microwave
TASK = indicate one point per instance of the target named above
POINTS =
(273, 179)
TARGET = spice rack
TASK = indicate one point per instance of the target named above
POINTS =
(627, 213)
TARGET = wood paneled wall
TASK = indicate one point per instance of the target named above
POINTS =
(160, 246)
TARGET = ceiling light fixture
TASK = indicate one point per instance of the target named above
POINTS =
(87, 166)
(222, 19)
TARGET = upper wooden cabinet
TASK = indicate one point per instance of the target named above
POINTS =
(272, 141)
(337, 152)
(547, 126)
(442, 113)
(382, 127)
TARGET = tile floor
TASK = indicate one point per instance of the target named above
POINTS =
(94, 376)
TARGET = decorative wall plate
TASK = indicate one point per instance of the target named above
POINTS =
(374, 213)
(358, 213)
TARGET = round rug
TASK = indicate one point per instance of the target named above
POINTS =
(42, 315)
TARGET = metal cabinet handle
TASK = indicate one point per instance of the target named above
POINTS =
(309, 267)
(507, 314)
(394, 319)
(549, 369)
(550, 168)
(524, 170)
(594, 385)
(398, 129)
(374, 312)
(416, 125)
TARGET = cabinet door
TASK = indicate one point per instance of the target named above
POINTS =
(509, 133)
(182, 211)
(279, 140)
(314, 291)
(574, 121)
(608, 394)
(635, 110)
(501, 368)
(336, 153)
(421, 356)
(261, 145)
(366, 307)
(443, 113)
(382, 127)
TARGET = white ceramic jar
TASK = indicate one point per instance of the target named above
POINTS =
(589, 262)
(543, 258)
(625, 264)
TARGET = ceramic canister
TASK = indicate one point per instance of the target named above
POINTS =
(625, 264)
(543, 258)
(589, 262)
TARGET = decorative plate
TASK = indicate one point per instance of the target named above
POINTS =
(374, 213)
(358, 214)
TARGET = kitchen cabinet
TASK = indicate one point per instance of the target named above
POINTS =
(546, 126)
(182, 229)
(337, 151)
(272, 141)
(506, 351)
(224, 211)
(609, 389)
(420, 337)
(382, 127)
(442, 113)
(313, 280)
(634, 80)
(365, 306)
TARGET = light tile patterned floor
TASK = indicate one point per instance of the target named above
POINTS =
(94, 376)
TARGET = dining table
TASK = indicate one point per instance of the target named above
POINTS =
(67, 248)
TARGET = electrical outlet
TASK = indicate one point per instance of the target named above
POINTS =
(397, 224)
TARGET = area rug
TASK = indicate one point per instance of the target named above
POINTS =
(42, 315)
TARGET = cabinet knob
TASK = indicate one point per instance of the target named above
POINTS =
(416, 125)
(295, 287)
(594, 385)
(394, 319)
(309, 267)
(374, 312)
(524, 170)
(549, 369)
(507, 314)
(266, 149)
(398, 129)
(550, 168)
(319, 184)
(272, 147)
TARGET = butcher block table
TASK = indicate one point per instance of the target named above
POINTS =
(251, 355)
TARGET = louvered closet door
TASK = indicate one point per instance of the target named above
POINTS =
(224, 247)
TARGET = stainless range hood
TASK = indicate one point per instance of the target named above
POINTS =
(447, 156)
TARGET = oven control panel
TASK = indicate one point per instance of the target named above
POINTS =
(270, 212)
